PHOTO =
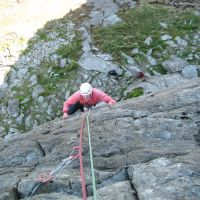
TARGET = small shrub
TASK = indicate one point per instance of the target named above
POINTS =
(42, 35)
(73, 66)
(73, 50)
(135, 93)
(160, 69)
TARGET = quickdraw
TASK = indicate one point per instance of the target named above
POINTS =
(49, 176)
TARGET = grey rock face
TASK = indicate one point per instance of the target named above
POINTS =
(181, 42)
(178, 3)
(33, 79)
(37, 91)
(171, 44)
(190, 72)
(63, 62)
(127, 3)
(95, 66)
(13, 107)
(159, 83)
(103, 13)
(92, 62)
(163, 25)
(166, 37)
(148, 41)
(174, 64)
(113, 19)
(161, 179)
(144, 148)
(9, 194)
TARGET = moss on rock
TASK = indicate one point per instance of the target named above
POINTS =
(135, 93)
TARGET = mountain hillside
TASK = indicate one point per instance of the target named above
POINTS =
(87, 44)
(145, 54)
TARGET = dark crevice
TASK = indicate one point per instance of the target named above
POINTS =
(197, 137)
(151, 112)
(198, 112)
(197, 123)
(41, 148)
(135, 193)
(117, 177)
(169, 155)
(100, 121)
(174, 155)
(70, 185)
(17, 191)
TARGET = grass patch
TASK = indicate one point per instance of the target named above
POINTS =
(80, 14)
(160, 69)
(73, 50)
(42, 35)
(50, 76)
(140, 23)
(141, 59)
(135, 93)
(24, 92)
(73, 66)
(54, 26)
(57, 75)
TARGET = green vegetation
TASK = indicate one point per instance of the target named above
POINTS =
(50, 76)
(135, 93)
(73, 50)
(140, 23)
(22, 91)
(159, 68)
(42, 35)
(141, 59)
(73, 66)
(117, 40)
(80, 14)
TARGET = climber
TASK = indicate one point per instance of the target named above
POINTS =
(85, 97)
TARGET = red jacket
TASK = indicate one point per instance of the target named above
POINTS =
(96, 97)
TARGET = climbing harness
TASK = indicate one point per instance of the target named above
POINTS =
(49, 176)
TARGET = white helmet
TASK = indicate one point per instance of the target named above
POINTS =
(85, 89)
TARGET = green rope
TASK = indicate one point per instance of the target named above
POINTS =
(91, 159)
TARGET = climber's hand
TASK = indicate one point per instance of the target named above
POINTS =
(111, 102)
(65, 116)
